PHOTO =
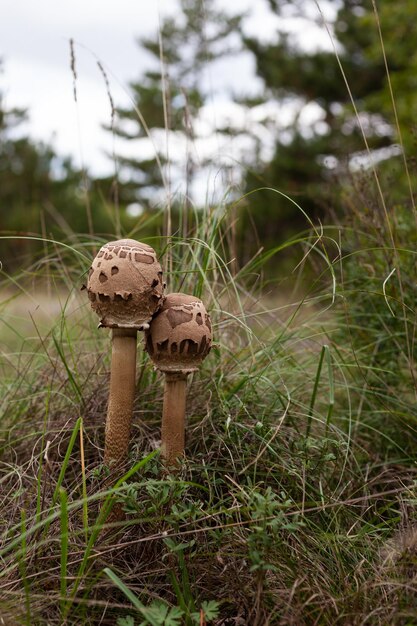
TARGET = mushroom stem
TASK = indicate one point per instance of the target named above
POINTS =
(121, 396)
(173, 417)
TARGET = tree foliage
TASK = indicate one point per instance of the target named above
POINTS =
(169, 96)
(314, 161)
(314, 158)
(43, 195)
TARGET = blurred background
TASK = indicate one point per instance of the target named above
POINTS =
(136, 121)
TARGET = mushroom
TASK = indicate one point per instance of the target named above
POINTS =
(125, 284)
(125, 289)
(178, 340)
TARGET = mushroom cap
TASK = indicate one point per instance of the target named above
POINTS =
(125, 285)
(179, 336)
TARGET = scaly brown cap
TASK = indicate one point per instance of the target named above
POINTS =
(179, 337)
(125, 285)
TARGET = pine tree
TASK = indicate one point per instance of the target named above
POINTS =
(187, 47)
(309, 163)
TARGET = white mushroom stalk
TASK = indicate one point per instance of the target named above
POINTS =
(125, 289)
(178, 340)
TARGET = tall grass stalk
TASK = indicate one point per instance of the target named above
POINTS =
(22, 557)
(64, 547)
(84, 482)
(40, 463)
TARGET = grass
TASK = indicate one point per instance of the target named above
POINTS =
(295, 503)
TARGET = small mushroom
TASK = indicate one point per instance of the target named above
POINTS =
(125, 289)
(178, 340)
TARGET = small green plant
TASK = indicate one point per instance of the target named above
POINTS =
(126, 621)
(268, 514)
(159, 613)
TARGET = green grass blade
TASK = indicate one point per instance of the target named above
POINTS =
(64, 548)
(129, 594)
(314, 393)
(70, 375)
(22, 559)
(331, 387)
(178, 593)
(84, 482)
(65, 462)
(41, 453)
(64, 466)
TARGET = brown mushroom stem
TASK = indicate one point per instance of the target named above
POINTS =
(121, 396)
(173, 417)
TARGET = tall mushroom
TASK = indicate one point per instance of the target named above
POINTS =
(178, 339)
(125, 289)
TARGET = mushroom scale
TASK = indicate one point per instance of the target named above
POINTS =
(125, 285)
(179, 337)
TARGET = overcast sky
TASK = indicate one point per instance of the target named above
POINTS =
(34, 46)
